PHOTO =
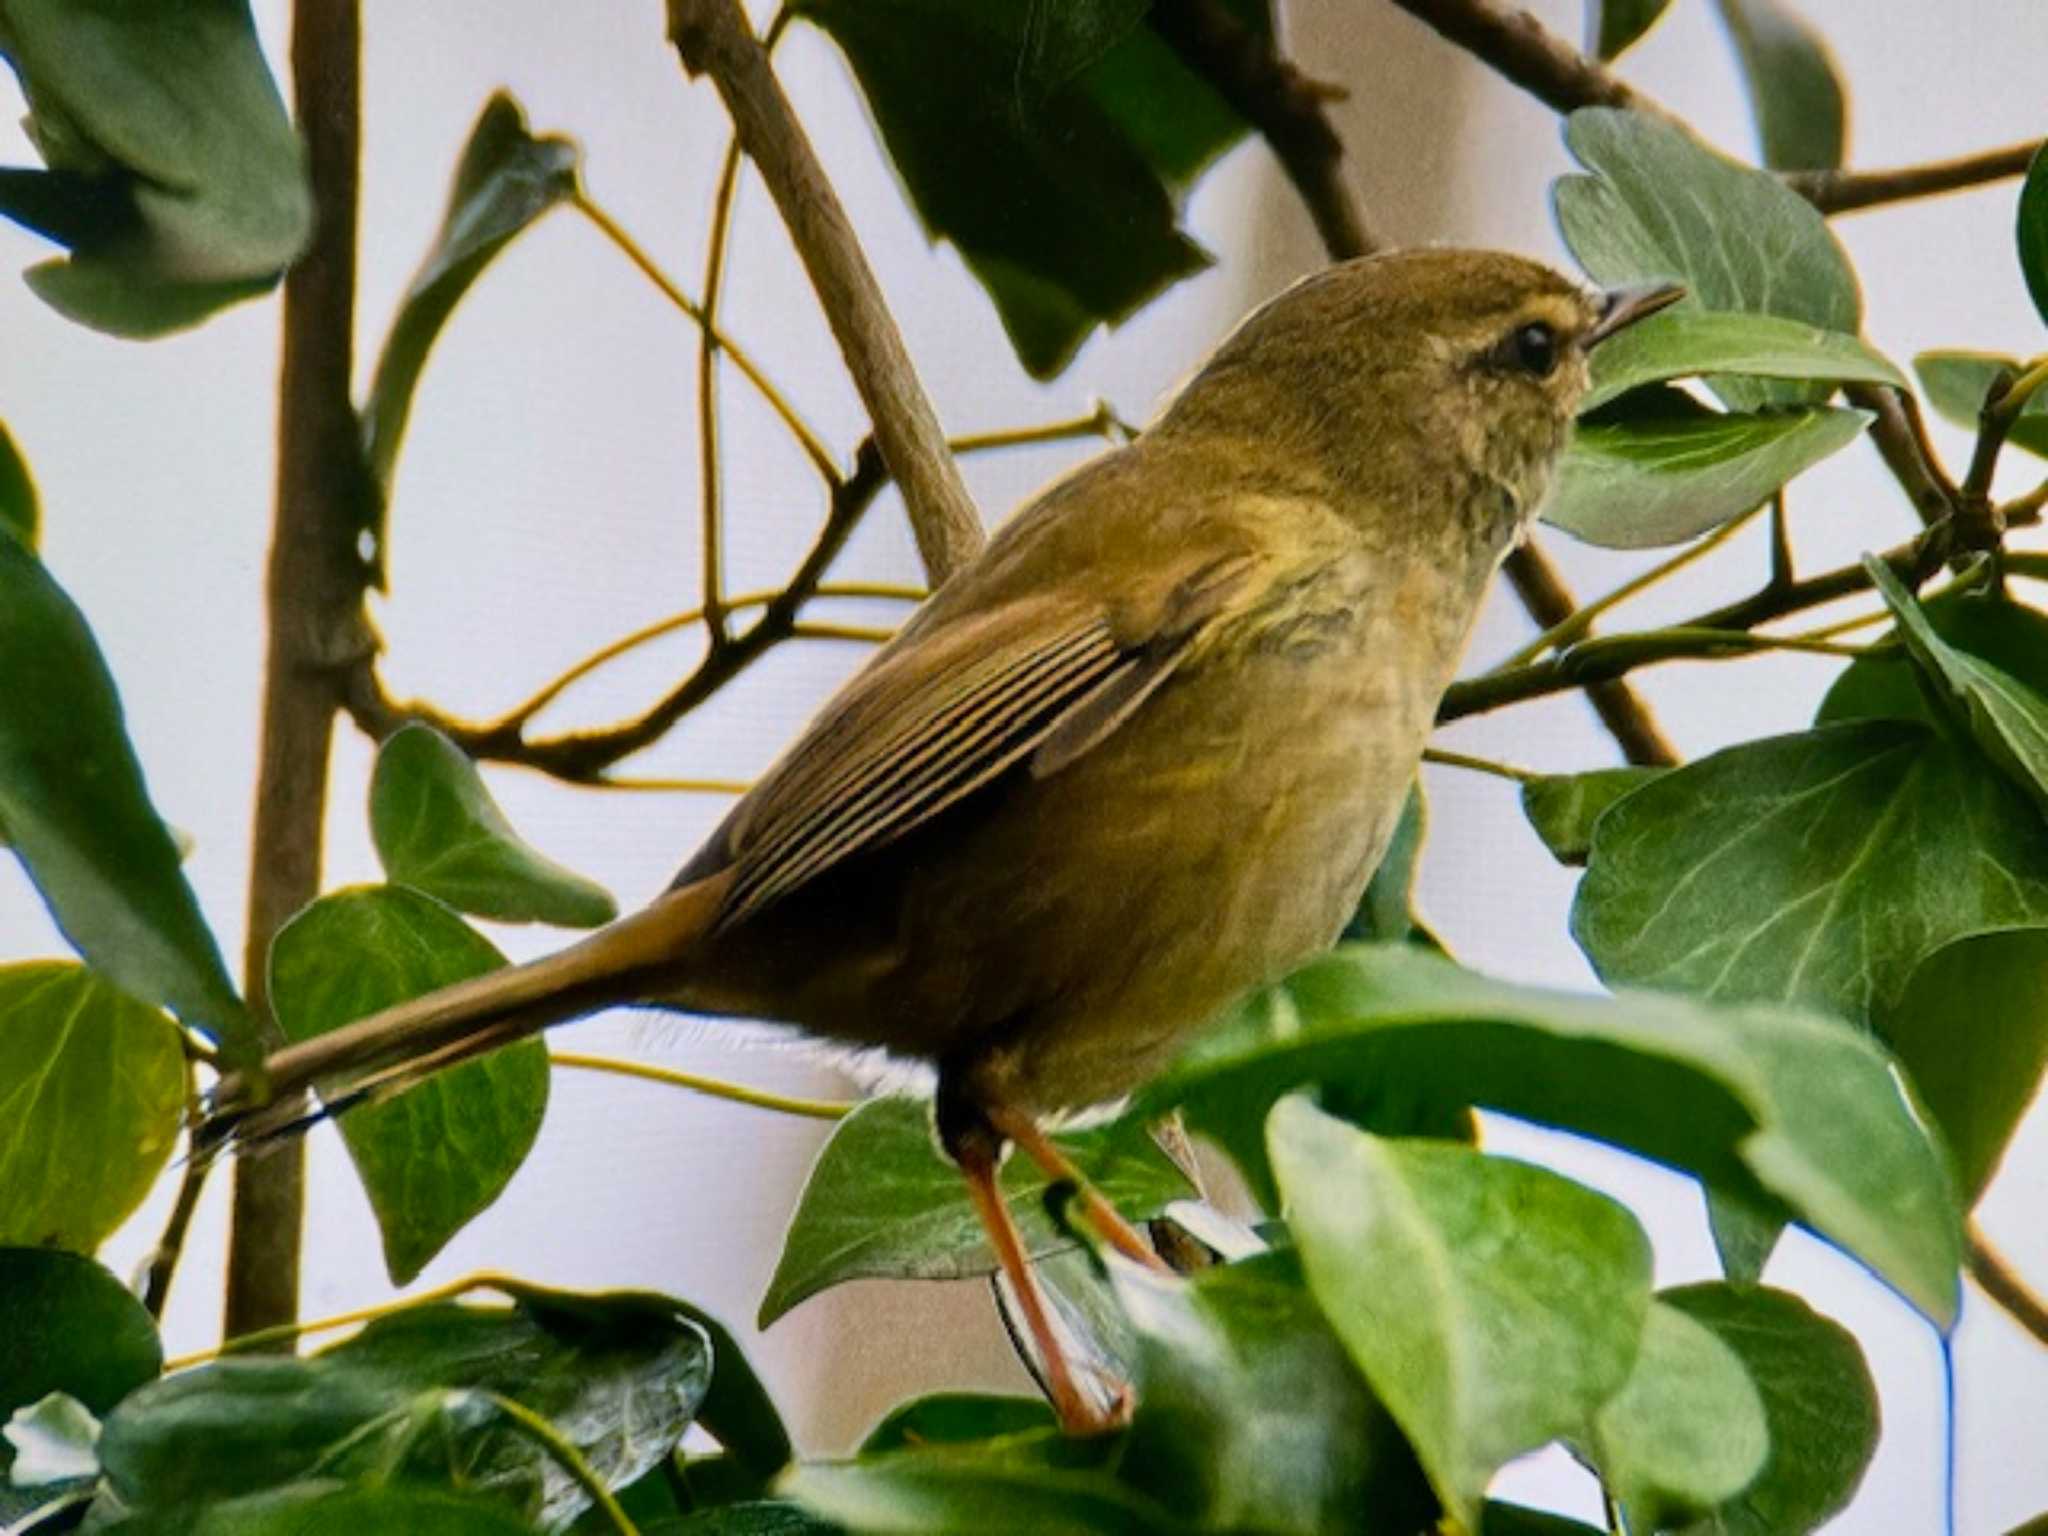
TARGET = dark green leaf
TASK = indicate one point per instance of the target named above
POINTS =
(1688, 343)
(1818, 868)
(1802, 115)
(2038, 1526)
(1670, 476)
(2005, 717)
(759, 1517)
(1050, 149)
(1885, 685)
(78, 815)
(92, 1094)
(175, 176)
(1972, 1030)
(20, 512)
(315, 1509)
(1034, 1484)
(1492, 1305)
(1387, 911)
(737, 1410)
(1660, 204)
(617, 1376)
(504, 182)
(2032, 233)
(437, 1155)
(438, 830)
(1818, 1400)
(1956, 383)
(1251, 1418)
(1763, 1103)
(71, 1328)
(1514, 1520)
(1613, 26)
(955, 1418)
(883, 1202)
(1687, 1433)
(1563, 807)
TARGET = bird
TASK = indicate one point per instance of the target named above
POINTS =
(1136, 759)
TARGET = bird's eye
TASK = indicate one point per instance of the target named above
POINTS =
(1534, 348)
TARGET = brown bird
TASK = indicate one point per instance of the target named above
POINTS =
(1139, 757)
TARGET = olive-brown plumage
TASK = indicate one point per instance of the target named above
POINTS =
(1141, 755)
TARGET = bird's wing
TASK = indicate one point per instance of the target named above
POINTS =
(1042, 677)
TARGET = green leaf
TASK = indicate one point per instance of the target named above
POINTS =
(92, 1095)
(2005, 717)
(2032, 232)
(322, 1509)
(1514, 1520)
(758, 1517)
(882, 1202)
(1613, 26)
(955, 1418)
(1564, 807)
(71, 1328)
(1688, 343)
(78, 815)
(617, 1376)
(1801, 111)
(1956, 383)
(1818, 868)
(1818, 1400)
(1051, 149)
(1687, 1433)
(737, 1411)
(1387, 910)
(1492, 1305)
(1780, 1109)
(20, 512)
(438, 830)
(1040, 1484)
(437, 1155)
(1660, 204)
(175, 177)
(506, 180)
(1885, 683)
(1676, 472)
(1251, 1417)
(1972, 1030)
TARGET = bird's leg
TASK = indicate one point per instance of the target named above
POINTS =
(977, 1156)
(1042, 1150)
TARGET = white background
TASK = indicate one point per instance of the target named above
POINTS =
(547, 502)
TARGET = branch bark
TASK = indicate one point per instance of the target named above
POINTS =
(316, 622)
(1846, 191)
(712, 38)
(1517, 47)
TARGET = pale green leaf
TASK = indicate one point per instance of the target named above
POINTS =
(1687, 343)
(1564, 807)
(1956, 383)
(1795, 93)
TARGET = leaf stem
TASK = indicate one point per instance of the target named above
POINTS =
(864, 633)
(558, 1446)
(1487, 765)
(711, 1087)
(1562, 634)
(670, 786)
(284, 1333)
(716, 340)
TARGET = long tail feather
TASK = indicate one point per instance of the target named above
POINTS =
(374, 1057)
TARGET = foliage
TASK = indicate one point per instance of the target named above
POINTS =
(1826, 948)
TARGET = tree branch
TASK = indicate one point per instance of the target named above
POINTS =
(317, 627)
(1284, 105)
(1846, 191)
(1517, 47)
(712, 38)
(2004, 1285)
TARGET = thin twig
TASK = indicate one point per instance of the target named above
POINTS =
(1285, 106)
(1847, 191)
(1900, 433)
(1783, 568)
(712, 38)
(2003, 1284)
(661, 786)
(711, 1087)
(713, 338)
(1716, 632)
(163, 1263)
(1578, 622)
(1518, 47)
(865, 634)
(1485, 765)
(710, 466)
(1628, 720)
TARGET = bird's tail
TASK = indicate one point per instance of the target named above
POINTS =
(394, 1048)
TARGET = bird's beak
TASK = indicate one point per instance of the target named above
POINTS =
(1623, 307)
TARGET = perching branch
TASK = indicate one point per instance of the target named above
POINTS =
(2004, 1285)
(712, 38)
(1284, 105)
